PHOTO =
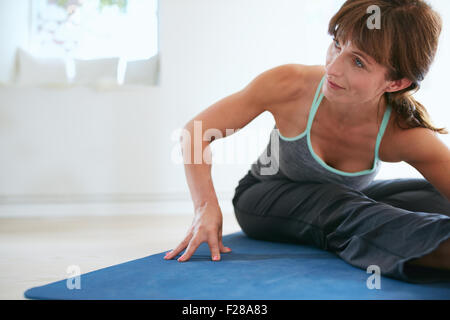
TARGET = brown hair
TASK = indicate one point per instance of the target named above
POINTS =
(406, 44)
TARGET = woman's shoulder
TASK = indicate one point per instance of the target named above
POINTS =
(299, 76)
(310, 74)
(311, 77)
(314, 72)
(294, 82)
(398, 137)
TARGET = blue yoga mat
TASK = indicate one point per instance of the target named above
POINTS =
(254, 270)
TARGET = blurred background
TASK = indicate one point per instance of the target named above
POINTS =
(93, 95)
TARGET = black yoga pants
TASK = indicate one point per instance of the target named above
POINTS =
(386, 224)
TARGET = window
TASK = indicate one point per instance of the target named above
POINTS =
(95, 29)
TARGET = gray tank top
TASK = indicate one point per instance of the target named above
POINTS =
(294, 158)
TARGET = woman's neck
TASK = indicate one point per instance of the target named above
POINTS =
(354, 115)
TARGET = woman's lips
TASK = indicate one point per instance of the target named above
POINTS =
(334, 85)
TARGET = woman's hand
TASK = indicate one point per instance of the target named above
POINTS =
(206, 227)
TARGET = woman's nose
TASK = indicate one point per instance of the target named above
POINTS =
(335, 65)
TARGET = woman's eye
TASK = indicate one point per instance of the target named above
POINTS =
(361, 65)
(358, 61)
(336, 43)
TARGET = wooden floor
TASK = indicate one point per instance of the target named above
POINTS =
(37, 251)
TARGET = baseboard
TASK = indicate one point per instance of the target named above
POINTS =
(102, 205)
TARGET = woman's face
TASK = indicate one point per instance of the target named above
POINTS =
(362, 79)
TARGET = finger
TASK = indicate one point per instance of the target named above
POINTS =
(223, 249)
(178, 249)
(193, 245)
(214, 247)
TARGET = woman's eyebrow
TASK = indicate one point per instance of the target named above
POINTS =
(362, 55)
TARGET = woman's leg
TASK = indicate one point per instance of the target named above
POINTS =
(410, 194)
(267, 211)
(415, 195)
(359, 229)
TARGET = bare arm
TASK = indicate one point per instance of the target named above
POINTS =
(233, 112)
(422, 149)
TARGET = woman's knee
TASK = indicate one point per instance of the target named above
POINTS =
(417, 195)
(259, 198)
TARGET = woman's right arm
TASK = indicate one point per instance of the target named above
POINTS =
(233, 112)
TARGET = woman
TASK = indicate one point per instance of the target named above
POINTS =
(314, 182)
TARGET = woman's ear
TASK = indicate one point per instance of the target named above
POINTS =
(398, 85)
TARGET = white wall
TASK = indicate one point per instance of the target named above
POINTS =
(111, 150)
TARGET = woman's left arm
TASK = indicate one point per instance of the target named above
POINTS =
(422, 149)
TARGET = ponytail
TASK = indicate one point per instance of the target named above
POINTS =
(411, 110)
